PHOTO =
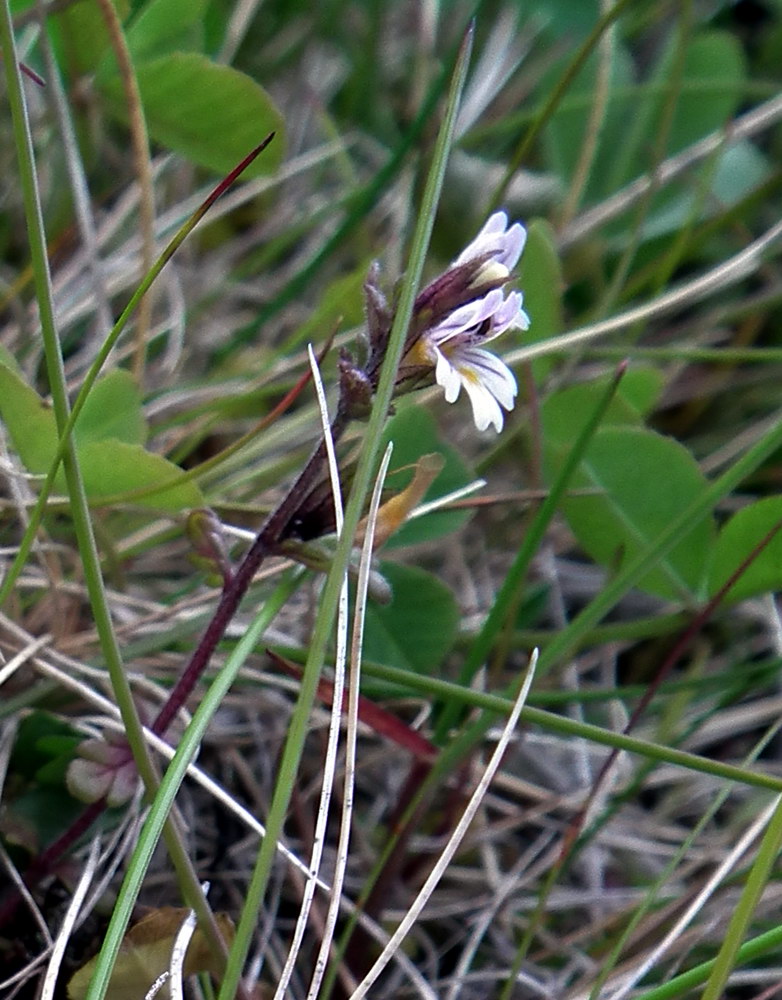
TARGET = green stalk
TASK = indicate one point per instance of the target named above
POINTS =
(687, 981)
(757, 880)
(57, 386)
(78, 501)
(172, 779)
(682, 851)
(65, 431)
(565, 642)
(367, 464)
(514, 579)
(524, 148)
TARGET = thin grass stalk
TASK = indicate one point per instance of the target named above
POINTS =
(656, 157)
(172, 779)
(762, 117)
(563, 644)
(683, 984)
(329, 766)
(364, 473)
(79, 188)
(358, 207)
(36, 516)
(630, 980)
(78, 501)
(343, 845)
(69, 921)
(524, 148)
(178, 953)
(705, 893)
(454, 840)
(606, 47)
(505, 599)
(717, 280)
(754, 887)
(142, 165)
(56, 375)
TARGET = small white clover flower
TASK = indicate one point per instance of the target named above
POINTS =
(455, 344)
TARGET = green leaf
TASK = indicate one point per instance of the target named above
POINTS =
(81, 37)
(711, 89)
(110, 465)
(164, 26)
(112, 410)
(418, 627)
(565, 412)
(742, 169)
(45, 809)
(61, 750)
(414, 433)
(566, 131)
(540, 278)
(212, 115)
(34, 747)
(737, 539)
(112, 468)
(29, 420)
(641, 481)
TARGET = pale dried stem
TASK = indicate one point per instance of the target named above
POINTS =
(143, 168)
(753, 122)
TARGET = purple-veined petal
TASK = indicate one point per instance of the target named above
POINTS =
(485, 409)
(448, 377)
(504, 245)
(466, 317)
(496, 223)
(490, 371)
(510, 314)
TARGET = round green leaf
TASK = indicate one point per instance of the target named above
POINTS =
(640, 481)
(112, 410)
(163, 26)
(418, 627)
(565, 412)
(29, 421)
(738, 538)
(112, 468)
(540, 278)
(210, 114)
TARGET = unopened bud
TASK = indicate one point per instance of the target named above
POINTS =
(205, 533)
(378, 313)
(355, 387)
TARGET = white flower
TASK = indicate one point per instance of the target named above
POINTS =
(455, 345)
(503, 244)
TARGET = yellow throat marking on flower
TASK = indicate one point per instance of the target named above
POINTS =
(420, 353)
(468, 375)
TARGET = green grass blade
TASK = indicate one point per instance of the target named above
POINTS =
(169, 786)
(505, 600)
(364, 473)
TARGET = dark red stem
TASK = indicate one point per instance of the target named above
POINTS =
(268, 538)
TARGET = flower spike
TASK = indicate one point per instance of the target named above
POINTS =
(467, 308)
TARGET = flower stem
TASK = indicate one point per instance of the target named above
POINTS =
(269, 536)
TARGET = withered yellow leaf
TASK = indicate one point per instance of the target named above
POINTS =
(394, 512)
(145, 954)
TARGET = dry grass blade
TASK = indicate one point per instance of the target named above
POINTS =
(454, 840)
(329, 766)
(178, 953)
(69, 921)
(351, 737)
